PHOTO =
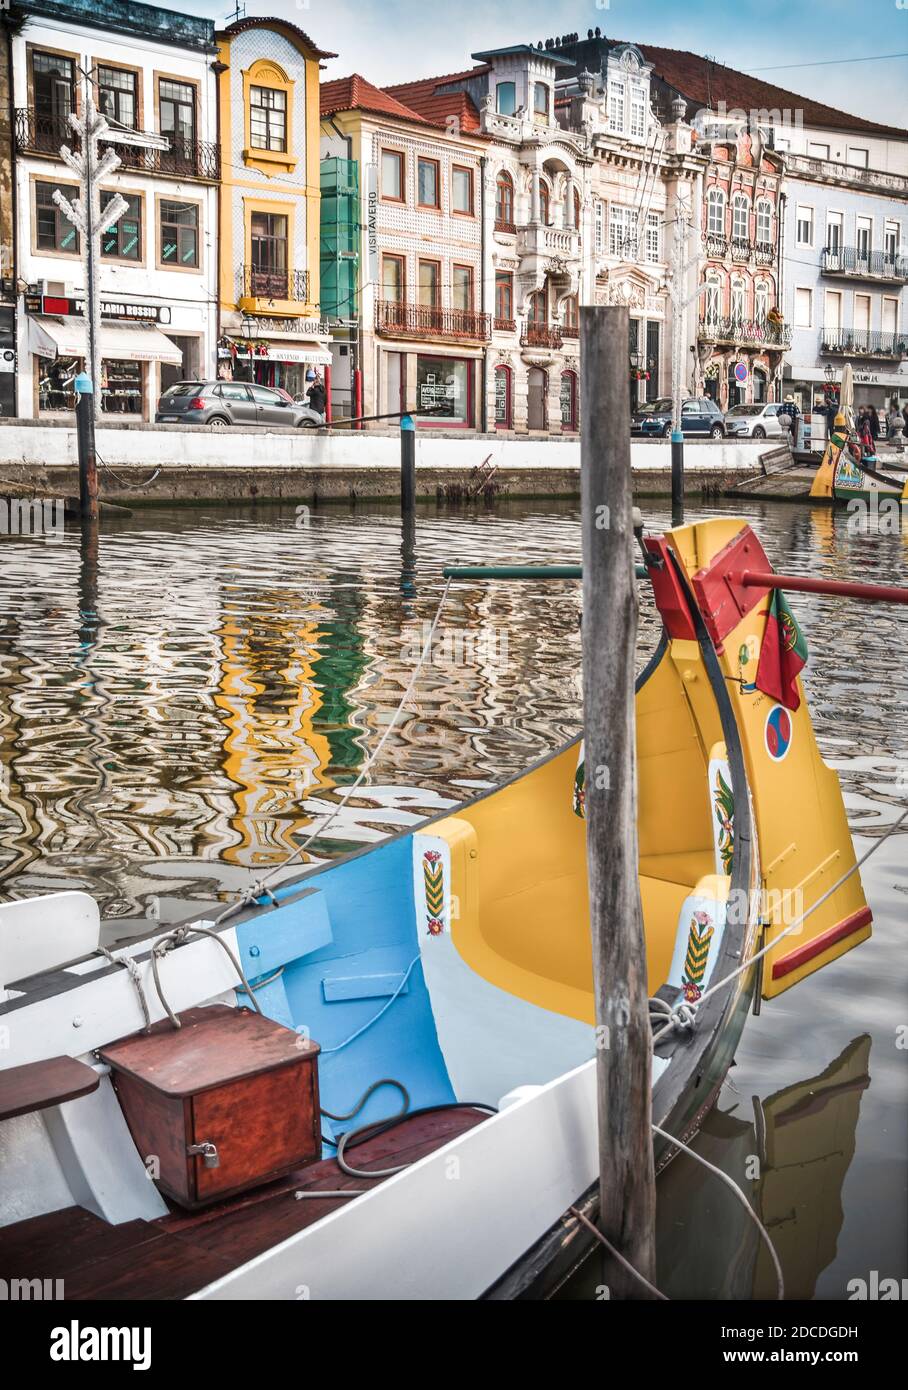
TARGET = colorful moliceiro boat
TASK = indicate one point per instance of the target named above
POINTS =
(453, 959)
(845, 474)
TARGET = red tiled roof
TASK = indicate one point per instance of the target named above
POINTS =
(354, 93)
(423, 96)
(707, 82)
(404, 90)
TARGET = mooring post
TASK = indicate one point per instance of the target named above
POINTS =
(85, 444)
(407, 465)
(677, 478)
(627, 1183)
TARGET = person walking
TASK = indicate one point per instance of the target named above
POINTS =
(876, 429)
(317, 396)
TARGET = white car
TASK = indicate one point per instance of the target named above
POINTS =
(753, 421)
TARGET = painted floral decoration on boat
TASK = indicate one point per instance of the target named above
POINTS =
(433, 871)
(724, 803)
(579, 798)
(699, 937)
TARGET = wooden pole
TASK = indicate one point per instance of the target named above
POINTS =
(407, 465)
(627, 1183)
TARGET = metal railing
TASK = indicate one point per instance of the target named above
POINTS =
(292, 285)
(866, 265)
(541, 335)
(504, 325)
(398, 319)
(744, 332)
(502, 226)
(863, 342)
(44, 134)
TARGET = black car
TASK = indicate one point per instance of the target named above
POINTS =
(699, 415)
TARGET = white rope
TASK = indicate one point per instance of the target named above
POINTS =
(684, 1016)
(260, 888)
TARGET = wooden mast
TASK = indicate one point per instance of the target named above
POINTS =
(627, 1183)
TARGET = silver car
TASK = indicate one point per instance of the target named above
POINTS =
(222, 403)
(754, 421)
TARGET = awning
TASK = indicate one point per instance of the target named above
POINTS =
(864, 374)
(128, 342)
(306, 353)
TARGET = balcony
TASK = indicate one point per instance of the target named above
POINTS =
(398, 320)
(504, 325)
(863, 342)
(186, 159)
(260, 287)
(854, 263)
(541, 335)
(764, 253)
(716, 246)
(741, 248)
(537, 240)
(750, 333)
(507, 228)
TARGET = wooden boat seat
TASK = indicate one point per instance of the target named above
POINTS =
(687, 867)
(39, 1085)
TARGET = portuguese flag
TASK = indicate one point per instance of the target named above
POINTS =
(782, 655)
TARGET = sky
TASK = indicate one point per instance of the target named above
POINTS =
(397, 40)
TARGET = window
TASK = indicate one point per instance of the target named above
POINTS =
(738, 300)
(267, 119)
(653, 237)
(599, 225)
(179, 233)
(740, 217)
(571, 317)
(429, 284)
(444, 389)
(504, 201)
(834, 231)
(503, 397)
(891, 240)
(715, 212)
(536, 307)
(761, 301)
(268, 244)
(504, 297)
(392, 175)
(764, 222)
(832, 314)
(713, 302)
(803, 308)
(864, 237)
(817, 151)
(568, 400)
(804, 226)
(427, 183)
(53, 232)
(859, 158)
(545, 204)
(889, 315)
(622, 232)
(506, 98)
(117, 95)
(541, 100)
(638, 115)
(616, 107)
(176, 102)
(123, 241)
(462, 287)
(462, 189)
(393, 283)
(863, 308)
(53, 79)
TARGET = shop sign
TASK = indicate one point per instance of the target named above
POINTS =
(372, 220)
(63, 306)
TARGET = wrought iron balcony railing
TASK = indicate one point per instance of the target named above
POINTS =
(759, 333)
(503, 226)
(863, 342)
(504, 325)
(716, 245)
(400, 320)
(859, 264)
(765, 253)
(541, 335)
(194, 159)
(741, 248)
(292, 285)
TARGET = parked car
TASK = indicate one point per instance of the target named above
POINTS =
(699, 415)
(222, 403)
(754, 421)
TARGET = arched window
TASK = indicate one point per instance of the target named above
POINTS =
(576, 209)
(761, 301)
(740, 217)
(571, 318)
(712, 308)
(738, 300)
(764, 222)
(545, 200)
(568, 400)
(536, 307)
(715, 212)
(504, 202)
(504, 397)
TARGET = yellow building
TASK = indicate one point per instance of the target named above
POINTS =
(268, 109)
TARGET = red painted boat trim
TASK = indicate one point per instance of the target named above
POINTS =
(821, 943)
(722, 598)
(668, 591)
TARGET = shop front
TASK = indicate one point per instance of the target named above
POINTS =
(809, 385)
(132, 355)
(275, 364)
(445, 390)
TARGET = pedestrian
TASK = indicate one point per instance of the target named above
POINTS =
(876, 428)
(317, 396)
(864, 434)
(905, 416)
(896, 423)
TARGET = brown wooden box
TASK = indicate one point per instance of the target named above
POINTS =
(229, 1078)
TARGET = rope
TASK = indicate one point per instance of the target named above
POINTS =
(132, 487)
(359, 1032)
(135, 975)
(616, 1254)
(684, 1016)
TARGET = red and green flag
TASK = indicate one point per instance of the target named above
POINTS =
(782, 655)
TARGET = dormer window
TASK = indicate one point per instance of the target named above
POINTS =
(506, 98)
(616, 96)
(638, 114)
(540, 101)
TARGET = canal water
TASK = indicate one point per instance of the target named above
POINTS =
(177, 709)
